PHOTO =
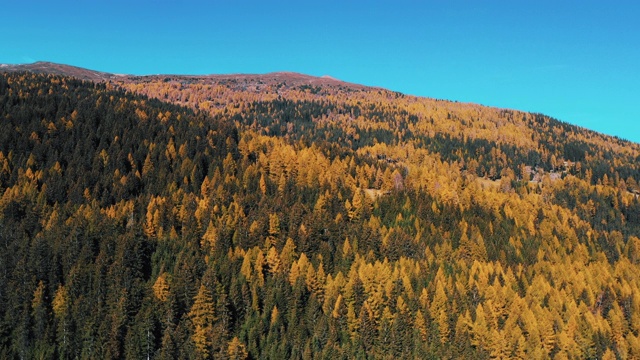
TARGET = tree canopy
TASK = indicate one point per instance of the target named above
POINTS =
(166, 219)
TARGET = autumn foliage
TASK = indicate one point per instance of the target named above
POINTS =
(177, 218)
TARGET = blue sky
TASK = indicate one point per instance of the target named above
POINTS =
(578, 61)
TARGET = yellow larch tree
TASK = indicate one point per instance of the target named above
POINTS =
(202, 318)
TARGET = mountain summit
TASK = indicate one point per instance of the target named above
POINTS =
(43, 67)
(288, 78)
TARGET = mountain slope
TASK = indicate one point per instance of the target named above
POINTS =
(241, 81)
(43, 67)
(487, 139)
(265, 217)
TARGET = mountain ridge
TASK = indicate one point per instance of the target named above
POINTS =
(295, 78)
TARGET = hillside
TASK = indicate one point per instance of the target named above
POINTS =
(288, 216)
(236, 81)
(43, 67)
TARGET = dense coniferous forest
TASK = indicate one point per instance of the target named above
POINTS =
(169, 217)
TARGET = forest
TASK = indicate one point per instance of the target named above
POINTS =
(169, 217)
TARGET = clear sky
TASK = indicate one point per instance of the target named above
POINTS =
(578, 61)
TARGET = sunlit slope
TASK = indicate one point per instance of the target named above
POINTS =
(273, 217)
